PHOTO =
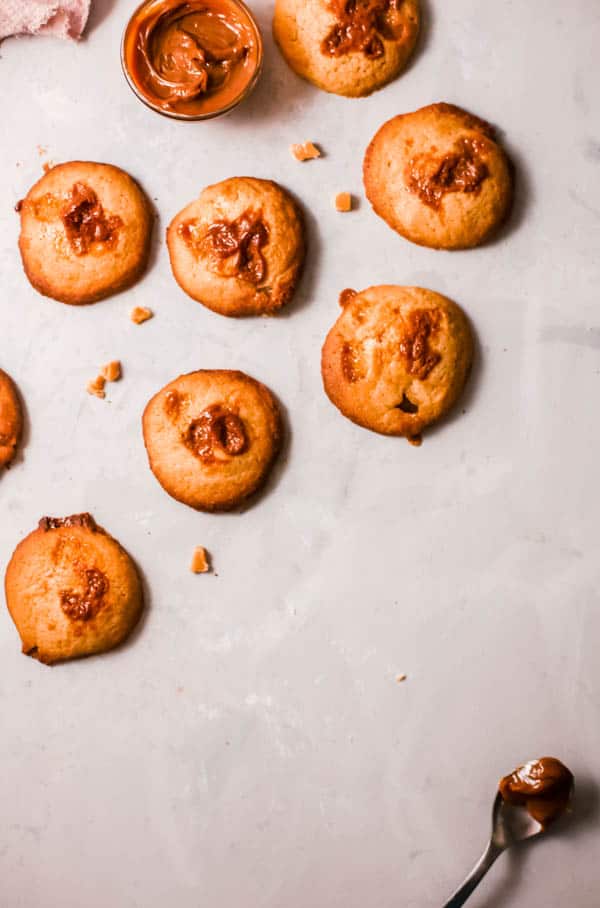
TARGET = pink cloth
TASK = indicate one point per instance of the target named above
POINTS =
(63, 18)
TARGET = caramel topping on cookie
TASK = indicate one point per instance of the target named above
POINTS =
(360, 26)
(414, 346)
(463, 170)
(173, 403)
(350, 363)
(86, 222)
(86, 605)
(75, 520)
(345, 296)
(234, 247)
(217, 429)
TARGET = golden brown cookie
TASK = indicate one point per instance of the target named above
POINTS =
(11, 419)
(239, 247)
(85, 232)
(397, 358)
(438, 177)
(71, 590)
(212, 437)
(349, 47)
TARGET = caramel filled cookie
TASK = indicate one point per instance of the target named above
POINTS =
(212, 437)
(438, 177)
(397, 358)
(11, 419)
(348, 47)
(85, 232)
(71, 590)
(239, 247)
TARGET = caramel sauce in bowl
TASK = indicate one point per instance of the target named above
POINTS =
(192, 59)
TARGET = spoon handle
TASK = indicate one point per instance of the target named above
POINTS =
(475, 877)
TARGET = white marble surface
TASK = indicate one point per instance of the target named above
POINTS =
(251, 745)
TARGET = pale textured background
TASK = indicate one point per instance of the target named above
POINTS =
(251, 745)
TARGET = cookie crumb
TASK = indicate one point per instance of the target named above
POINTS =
(416, 441)
(343, 201)
(96, 386)
(401, 678)
(307, 151)
(199, 564)
(111, 371)
(140, 314)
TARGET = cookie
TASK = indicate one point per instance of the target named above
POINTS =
(397, 358)
(438, 177)
(239, 247)
(11, 419)
(71, 590)
(348, 47)
(85, 232)
(212, 437)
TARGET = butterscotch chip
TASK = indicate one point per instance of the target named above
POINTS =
(212, 437)
(439, 177)
(111, 371)
(397, 359)
(199, 564)
(349, 48)
(71, 590)
(306, 151)
(343, 201)
(85, 232)
(239, 248)
(96, 386)
(140, 314)
(11, 419)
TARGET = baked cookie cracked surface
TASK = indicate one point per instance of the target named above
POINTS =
(239, 248)
(85, 232)
(212, 437)
(438, 177)
(348, 47)
(11, 419)
(397, 358)
(71, 590)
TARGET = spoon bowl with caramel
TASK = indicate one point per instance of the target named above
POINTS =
(528, 802)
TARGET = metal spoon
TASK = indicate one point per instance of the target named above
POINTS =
(510, 825)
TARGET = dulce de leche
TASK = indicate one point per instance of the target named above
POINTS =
(543, 787)
(194, 59)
